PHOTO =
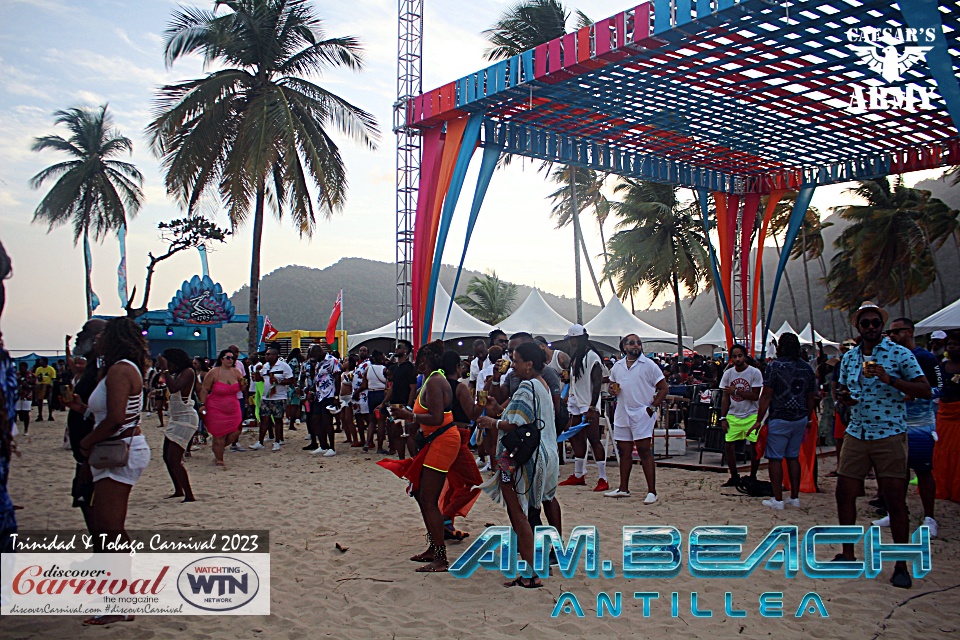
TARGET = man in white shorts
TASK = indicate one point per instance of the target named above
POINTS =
(641, 391)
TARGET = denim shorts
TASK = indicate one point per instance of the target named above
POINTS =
(784, 438)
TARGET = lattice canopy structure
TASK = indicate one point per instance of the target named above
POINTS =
(736, 100)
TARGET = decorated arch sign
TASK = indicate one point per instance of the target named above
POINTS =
(201, 301)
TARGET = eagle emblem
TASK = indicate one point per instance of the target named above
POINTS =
(884, 57)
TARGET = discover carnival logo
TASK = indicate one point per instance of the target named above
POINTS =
(891, 53)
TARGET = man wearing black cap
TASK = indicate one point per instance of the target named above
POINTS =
(875, 379)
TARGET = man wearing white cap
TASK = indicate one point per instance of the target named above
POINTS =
(640, 388)
(937, 344)
(875, 379)
(583, 403)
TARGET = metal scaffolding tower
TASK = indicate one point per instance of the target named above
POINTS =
(409, 85)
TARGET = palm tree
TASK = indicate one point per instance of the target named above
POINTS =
(778, 226)
(521, 27)
(811, 247)
(660, 243)
(93, 191)
(589, 194)
(488, 298)
(884, 254)
(256, 130)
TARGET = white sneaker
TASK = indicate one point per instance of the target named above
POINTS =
(650, 499)
(330, 453)
(306, 437)
(281, 442)
(256, 446)
(792, 502)
(773, 503)
(930, 522)
(236, 447)
(149, 414)
(276, 446)
(882, 522)
(319, 451)
(616, 493)
(297, 421)
(267, 439)
(479, 460)
(485, 468)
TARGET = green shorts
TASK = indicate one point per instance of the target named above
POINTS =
(738, 427)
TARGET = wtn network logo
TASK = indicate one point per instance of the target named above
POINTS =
(218, 583)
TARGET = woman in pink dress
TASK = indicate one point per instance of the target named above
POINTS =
(219, 407)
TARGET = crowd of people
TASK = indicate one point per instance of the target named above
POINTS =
(890, 406)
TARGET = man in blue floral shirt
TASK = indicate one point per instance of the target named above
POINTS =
(875, 379)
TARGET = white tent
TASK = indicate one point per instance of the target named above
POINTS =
(784, 328)
(758, 342)
(615, 321)
(536, 317)
(806, 339)
(943, 320)
(716, 336)
(461, 323)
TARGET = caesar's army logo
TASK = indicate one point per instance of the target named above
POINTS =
(891, 53)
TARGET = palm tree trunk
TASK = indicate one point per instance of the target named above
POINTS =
(786, 276)
(676, 303)
(902, 287)
(806, 279)
(941, 290)
(603, 241)
(716, 300)
(253, 329)
(832, 312)
(586, 256)
(575, 215)
(633, 309)
(86, 275)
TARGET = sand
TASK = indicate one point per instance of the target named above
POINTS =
(310, 504)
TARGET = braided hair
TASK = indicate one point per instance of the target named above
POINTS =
(122, 340)
(431, 354)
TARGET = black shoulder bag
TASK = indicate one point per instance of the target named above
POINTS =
(524, 440)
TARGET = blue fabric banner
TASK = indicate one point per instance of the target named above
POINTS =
(122, 268)
(491, 155)
(793, 230)
(205, 269)
(88, 257)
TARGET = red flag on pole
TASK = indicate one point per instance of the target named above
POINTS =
(269, 332)
(334, 317)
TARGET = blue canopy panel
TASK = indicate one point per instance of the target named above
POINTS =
(724, 95)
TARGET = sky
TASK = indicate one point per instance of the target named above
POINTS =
(58, 54)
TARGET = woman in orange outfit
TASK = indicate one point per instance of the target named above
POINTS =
(427, 472)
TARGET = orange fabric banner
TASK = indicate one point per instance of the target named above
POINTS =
(451, 149)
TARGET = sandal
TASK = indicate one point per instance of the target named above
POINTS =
(426, 556)
(452, 533)
(430, 568)
(534, 583)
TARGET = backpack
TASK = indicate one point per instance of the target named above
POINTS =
(755, 488)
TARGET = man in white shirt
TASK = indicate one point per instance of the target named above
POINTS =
(553, 358)
(640, 389)
(583, 403)
(741, 385)
(476, 364)
(276, 375)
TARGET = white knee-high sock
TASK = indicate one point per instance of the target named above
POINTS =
(579, 467)
(602, 469)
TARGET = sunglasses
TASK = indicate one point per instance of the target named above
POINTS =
(893, 332)
(876, 323)
(631, 343)
(228, 358)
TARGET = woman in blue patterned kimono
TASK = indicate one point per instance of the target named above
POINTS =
(533, 484)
